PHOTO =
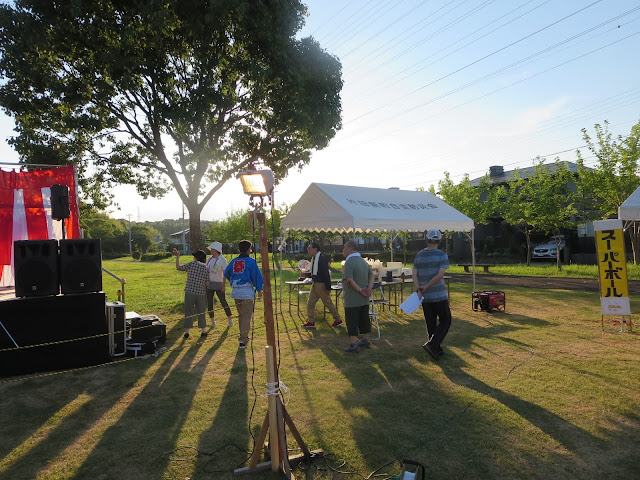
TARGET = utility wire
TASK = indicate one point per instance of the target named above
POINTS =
(457, 49)
(495, 52)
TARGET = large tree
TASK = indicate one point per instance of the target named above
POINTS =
(161, 93)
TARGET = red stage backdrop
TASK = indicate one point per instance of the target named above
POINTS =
(25, 211)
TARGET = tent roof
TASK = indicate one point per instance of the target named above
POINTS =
(325, 207)
(630, 208)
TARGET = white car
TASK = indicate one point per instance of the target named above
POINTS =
(549, 249)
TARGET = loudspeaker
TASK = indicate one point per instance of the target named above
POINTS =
(62, 331)
(36, 267)
(80, 265)
(59, 202)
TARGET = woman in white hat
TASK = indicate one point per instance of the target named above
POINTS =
(216, 265)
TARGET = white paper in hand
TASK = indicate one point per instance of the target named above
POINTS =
(411, 304)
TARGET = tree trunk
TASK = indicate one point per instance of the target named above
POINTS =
(195, 229)
(527, 236)
(558, 262)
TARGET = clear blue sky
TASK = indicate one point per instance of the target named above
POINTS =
(456, 85)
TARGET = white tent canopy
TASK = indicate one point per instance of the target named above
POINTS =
(326, 207)
(630, 208)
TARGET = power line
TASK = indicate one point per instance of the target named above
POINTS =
(501, 49)
(458, 41)
(481, 96)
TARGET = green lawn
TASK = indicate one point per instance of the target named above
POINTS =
(540, 391)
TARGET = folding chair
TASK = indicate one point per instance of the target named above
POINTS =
(375, 302)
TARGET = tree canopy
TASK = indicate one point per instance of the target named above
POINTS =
(543, 201)
(616, 176)
(166, 93)
(476, 202)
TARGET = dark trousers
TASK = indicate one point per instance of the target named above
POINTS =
(357, 319)
(438, 318)
(223, 302)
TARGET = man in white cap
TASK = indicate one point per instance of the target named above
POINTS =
(216, 265)
(429, 267)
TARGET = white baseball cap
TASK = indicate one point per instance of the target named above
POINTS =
(434, 235)
(216, 246)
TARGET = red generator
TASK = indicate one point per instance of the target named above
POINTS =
(488, 301)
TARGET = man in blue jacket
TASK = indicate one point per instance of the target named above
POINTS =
(245, 278)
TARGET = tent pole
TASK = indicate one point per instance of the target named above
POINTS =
(391, 244)
(473, 256)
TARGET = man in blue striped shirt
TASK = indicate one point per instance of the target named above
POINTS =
(429, 267)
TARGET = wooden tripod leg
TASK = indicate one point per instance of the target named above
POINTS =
(294, 431)
(285, 466)
(260, 442)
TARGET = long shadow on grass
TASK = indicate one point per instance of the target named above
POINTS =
(58, 410)
(228, 434)
(392, 401)
(388, 401)
(311, 339)
(573, 438)
(150, 425)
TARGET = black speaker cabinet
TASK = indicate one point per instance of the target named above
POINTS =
(59, 202)
(55, 332)
(80, 265)
(36, 267)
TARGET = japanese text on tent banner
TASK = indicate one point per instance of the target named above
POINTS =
(612, 268)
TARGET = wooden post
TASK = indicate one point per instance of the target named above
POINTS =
(274, 423)
(274, 433)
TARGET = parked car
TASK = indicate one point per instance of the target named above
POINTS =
(549, 249)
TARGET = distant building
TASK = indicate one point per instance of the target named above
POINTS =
(178, 238)
(498, 176)
(498, 235)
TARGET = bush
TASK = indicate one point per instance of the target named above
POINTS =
(154, 257)
(113, 255)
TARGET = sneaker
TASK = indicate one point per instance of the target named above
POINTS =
(231, 321)
(242, 345)
(309, 325)
(213, 323)
(352, 348)
(204, 334)
(430, 350)
(364, 343)
(337, 323)
(186, 335)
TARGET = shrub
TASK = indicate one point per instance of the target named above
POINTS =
(154, 257)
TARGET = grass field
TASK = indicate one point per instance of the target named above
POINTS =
(540, 391)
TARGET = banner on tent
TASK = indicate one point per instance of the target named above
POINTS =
(25, 211)
(612, 268)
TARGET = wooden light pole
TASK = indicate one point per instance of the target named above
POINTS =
(277, 416)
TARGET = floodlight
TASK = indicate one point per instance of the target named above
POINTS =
(257, 183)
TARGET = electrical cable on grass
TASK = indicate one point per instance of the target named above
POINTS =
(197, 454)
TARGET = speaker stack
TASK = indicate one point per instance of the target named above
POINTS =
(36, 267)
(57, 326)
(80, 265)
(43, 267)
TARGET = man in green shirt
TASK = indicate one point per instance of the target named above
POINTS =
(357, 283)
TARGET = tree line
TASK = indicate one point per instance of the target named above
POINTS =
(550, 198)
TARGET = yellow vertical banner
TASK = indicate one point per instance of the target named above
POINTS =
(612, 267)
